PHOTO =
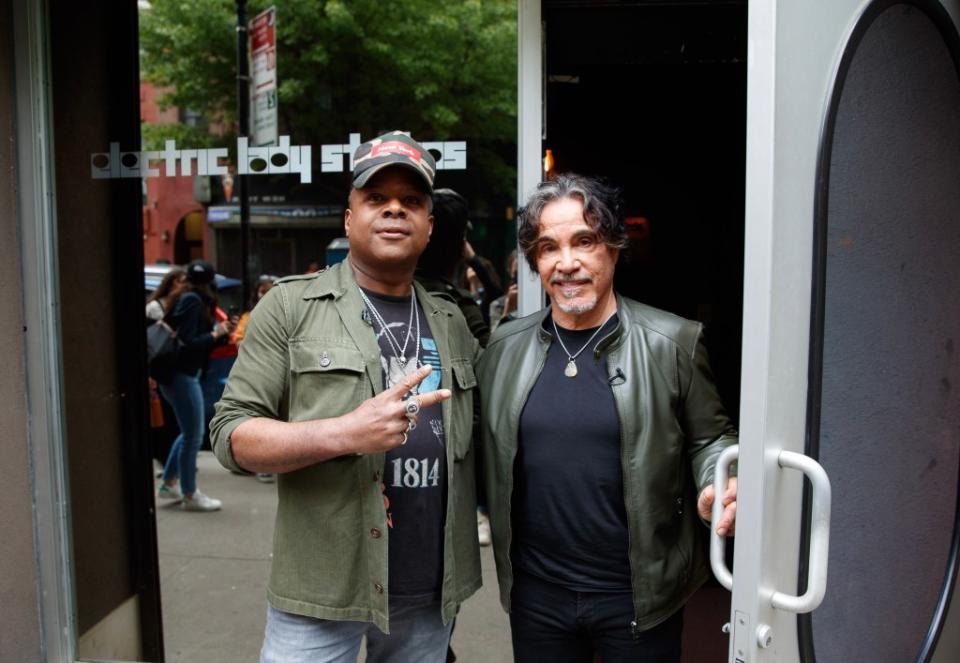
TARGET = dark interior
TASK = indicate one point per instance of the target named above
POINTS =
(652, 96)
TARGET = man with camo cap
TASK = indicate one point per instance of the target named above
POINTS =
(355, 386)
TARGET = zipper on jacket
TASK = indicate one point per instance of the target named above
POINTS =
(541, 362)
(626, 505)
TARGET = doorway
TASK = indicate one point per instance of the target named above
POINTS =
(105, 126)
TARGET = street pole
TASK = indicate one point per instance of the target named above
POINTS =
(243, 107)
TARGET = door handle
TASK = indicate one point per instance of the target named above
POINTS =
(819, 530)
(819, 536)
(721, 472)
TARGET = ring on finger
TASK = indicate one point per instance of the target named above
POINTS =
(412, 407)
(404, 439)
(411, 424)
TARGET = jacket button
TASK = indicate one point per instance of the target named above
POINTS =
(379, 588)
(375, 533)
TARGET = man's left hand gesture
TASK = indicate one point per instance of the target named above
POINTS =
(728, 519)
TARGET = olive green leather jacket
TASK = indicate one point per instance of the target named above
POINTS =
(308, 354)
(672, 428)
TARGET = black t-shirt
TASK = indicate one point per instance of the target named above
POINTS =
(415, 476)
(570, 522)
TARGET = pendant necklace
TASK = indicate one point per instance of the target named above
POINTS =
(399, 351)
(571, 369)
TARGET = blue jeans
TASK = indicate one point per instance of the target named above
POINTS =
(553, 624)
(185, 396)
(417, 635)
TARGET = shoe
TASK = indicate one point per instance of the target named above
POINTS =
(200, 502)
(266, 477)
(165, 492)
(483, 529)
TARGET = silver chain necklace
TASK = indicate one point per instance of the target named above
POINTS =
(399, 352)
(571, 369)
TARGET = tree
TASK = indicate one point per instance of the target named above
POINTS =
(441, 69)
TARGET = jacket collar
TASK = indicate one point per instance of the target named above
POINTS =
(611, 342)
(331, 282)
(338, 280)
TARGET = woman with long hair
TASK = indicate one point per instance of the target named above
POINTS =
(162, 300)
(193, 318)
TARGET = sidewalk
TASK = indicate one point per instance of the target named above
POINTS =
(213, 573)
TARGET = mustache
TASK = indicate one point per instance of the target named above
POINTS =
(567, 278)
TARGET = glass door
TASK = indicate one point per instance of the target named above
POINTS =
(133, 107)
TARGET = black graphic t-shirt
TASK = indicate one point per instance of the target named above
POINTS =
(570, 521)
(415, 475)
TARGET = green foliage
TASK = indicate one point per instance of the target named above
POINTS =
(155, 135)
(441, 69)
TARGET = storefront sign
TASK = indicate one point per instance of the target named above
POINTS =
(282, 158)
(450, 155)
(285, 158)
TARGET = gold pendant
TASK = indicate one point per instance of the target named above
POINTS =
(571, 370)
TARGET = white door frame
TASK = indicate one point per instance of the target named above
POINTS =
(531, 82)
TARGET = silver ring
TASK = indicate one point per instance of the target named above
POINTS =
(404, 439)
(413, 407)
(411, 424)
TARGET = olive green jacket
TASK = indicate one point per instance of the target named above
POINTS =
(308, 354)
(672, 428)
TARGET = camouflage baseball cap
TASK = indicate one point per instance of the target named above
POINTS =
(392, 149)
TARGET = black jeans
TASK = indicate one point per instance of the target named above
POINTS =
(553, 624)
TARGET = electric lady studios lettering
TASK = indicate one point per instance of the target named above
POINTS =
(269, 160)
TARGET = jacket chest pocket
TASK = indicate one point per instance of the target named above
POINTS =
(462, 412)
(326, 380)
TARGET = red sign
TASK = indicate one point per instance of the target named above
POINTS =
(263, 31)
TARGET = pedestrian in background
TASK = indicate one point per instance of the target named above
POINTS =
(162, 300)
(504, 308)
(481, 279)
(193, 319)
(444, 256)
(264, 283)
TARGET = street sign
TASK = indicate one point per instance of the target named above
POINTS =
(263, 78)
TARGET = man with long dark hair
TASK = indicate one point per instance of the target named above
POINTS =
(601, 427)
